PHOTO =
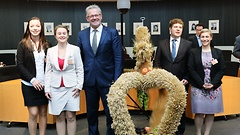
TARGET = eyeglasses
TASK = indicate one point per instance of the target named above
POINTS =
(92, 16)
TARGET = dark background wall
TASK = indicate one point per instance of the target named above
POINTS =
(14, 13)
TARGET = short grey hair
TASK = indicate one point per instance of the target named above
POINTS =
(92, 7)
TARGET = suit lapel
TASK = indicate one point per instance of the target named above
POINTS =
(67, 56)
(101, 42)
(167, 47)
(214, 55)
(199, 54)
(55, 57)
(180, 48)
(88, 44)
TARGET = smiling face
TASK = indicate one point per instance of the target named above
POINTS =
(206, 37)
(61, 35)
(35, 28)
(94, 17)
(176, 30)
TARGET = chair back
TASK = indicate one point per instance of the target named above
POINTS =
(231, 68)
(129, 63)
(227, 55)
(8, 58)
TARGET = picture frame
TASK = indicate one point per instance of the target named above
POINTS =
(69, 25)
(118, 27)
(49, 28)
(84, 25)
(25, 26)
(135, 26)
(155, 28)
(213, 25)
(191, 26)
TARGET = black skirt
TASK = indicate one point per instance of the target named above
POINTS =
(33, 97)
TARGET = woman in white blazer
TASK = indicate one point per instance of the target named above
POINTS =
(63, 81)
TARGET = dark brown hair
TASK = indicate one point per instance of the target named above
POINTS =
(26, 40)
(199, 24)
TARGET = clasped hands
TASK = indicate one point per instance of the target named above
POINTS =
(207, 86)
(184, 81)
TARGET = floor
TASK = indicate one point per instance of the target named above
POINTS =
(221, 126)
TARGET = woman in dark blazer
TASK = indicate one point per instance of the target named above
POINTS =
(31, 53)
(206, 68)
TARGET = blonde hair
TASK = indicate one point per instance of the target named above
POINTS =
(205, 31)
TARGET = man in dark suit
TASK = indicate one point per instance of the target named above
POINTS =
(172, 55)
(196, 39)
(102, 65)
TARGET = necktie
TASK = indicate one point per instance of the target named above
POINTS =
(173, 49)
(94, 42)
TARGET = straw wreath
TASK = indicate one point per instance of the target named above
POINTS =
(170, 89)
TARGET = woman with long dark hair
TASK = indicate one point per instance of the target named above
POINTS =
(31, 54)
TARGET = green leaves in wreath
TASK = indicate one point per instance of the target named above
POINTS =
(143, 99)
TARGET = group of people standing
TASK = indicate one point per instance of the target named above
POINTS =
(198, 63)
(52, 77)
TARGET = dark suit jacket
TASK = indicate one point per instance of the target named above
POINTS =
(194, 41)
(107, 64)
(236, 49)
(26, 63)
(196, 71)
(163, 58)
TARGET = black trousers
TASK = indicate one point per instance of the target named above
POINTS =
(181, 127)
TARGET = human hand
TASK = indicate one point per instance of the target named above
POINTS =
(48, 95)
(37, 85)
(184, 81)
(76, 92)
(207, 86)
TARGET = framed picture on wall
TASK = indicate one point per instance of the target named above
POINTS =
(25, 26)
(118, 27)
(84, 25)
(155, 28)
(191, 26)
(136, 25)
(49, 28)
(69, 25)
(214, 26)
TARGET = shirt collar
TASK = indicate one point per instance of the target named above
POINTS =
(177, 39)
(99, 29)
